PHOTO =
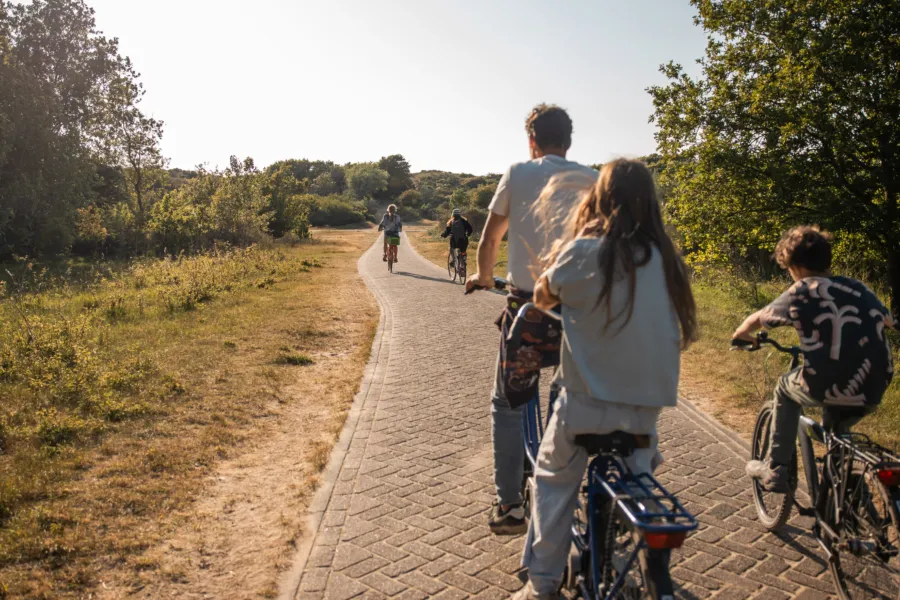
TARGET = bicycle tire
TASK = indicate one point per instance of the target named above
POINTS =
(776, 512)
(390, 260)
(857, 577)
(462, 271)
(451, 266)
(619, 543)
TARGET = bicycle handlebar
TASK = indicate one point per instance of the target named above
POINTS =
(762, 338)
(499, 284)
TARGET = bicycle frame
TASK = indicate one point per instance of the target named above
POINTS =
(533, 423)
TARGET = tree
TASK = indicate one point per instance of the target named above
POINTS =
(324, 185)
(131, 139)
(45, 177)
(57, 41)
(793, 120)
(365, 180)
(239, 208)
(281, 189)
(399, 178)
(60, 76)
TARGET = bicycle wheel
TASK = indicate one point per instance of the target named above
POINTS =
(618, 549)
(451, 266)
(462, 270)
(864, 563)
(773, 509)
(390, 259)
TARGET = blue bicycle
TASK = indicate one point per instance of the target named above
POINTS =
(626, 524)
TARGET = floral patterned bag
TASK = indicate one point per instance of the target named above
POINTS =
(534, 345)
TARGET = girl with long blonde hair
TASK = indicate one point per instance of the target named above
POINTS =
(628, 311)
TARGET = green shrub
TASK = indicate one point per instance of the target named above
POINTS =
(178, 222)
(334, 211)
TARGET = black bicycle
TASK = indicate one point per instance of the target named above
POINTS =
(854, 494)
(456, 265)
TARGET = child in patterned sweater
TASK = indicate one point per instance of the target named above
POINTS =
(847, 361)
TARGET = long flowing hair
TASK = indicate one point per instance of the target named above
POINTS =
(623, 207)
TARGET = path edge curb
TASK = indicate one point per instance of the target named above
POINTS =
(730, 437)
(315, 512)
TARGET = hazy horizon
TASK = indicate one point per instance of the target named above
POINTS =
(446, 86)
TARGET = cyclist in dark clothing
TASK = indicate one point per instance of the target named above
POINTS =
(458, 230)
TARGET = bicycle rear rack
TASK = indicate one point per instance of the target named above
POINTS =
(862, 445)
(647, 504)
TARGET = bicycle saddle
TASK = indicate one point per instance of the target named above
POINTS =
(617, 442)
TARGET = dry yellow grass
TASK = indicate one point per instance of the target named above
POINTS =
(257, 385)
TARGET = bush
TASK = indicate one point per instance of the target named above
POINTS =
(90, 234)
(409, 199)
(477, 217)
(481, 196)
(334, 211)
(178, 222)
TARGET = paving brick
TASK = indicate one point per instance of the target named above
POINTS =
(701, 562)
(427, 584)
(385, 585)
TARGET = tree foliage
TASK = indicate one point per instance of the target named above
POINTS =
(793, 120)
(68, 112)
(399, 178)
(365, 180)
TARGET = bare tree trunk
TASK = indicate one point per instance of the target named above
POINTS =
(138, 190)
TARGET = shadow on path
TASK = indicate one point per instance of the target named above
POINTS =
(417, 276)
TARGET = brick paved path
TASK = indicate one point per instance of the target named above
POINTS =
(406, 517)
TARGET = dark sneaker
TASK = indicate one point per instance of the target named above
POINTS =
(508, 522)
(528, 593)
(775, 479)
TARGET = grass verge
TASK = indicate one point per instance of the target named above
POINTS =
(123, 390)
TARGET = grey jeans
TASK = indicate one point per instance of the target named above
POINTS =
(790, 399)
(509, 445)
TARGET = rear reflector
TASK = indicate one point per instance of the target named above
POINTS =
(661, 541)
(890, 477)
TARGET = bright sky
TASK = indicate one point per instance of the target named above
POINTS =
(445, 83)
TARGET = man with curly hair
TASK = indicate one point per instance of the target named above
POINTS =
(549, 130)
(847, 361)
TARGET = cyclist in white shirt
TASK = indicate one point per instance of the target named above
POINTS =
(512, 210)
(392, 226)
